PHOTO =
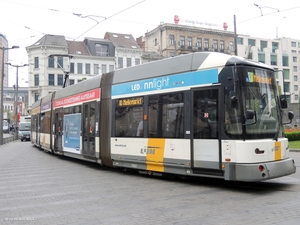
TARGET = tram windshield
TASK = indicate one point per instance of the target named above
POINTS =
(256, 92)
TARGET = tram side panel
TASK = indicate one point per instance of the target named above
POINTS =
(46, 122)
(35, 123)
(161, 145)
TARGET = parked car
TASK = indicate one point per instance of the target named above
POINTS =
(24, 131)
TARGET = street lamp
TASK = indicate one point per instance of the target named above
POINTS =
(1, 94)
(16, 97)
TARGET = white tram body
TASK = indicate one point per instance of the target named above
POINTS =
(202, 114)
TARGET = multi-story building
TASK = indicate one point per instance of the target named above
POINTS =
(282, 54)
(174, 39)
(55, 62)
(9, 101)
(4, 44)
(127, 51)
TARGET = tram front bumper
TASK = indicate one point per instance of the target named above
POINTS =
(259, 171)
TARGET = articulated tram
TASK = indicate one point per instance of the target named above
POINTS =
(201, 114)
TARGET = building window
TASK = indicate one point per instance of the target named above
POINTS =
(182, 42)
(87, 68)
(296, 98)
(36, 62)
(79, 68)
(137, 62)
(295, 68)
(171, 39)
(51, 62)
(251, 42)
(36, 80)
(294, 51)
(155, 42)
(128, 62)
(120, 62)
(101, 50)
(240, 41)
(285, 61)
(286, 74)
(199, 43)
(222, 46)
(190, 43)
(295, 87)
(60, 80)
(261, 57)
(215, 45)
(111, 68)
(36, 96)
(60, 62)
(72, 81)
(206, 44)
(274, 60)
(263, 44)
(294, 59)
(293, 44)
(103, 68)
(274, 46)
(287, 86)
(231, 48)
(51, 79)
(78, 81)
(96, 69)
(295, 78)
(72, 70)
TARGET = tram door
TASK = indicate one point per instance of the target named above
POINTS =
(205, 140)
(88, 129)
(58, 129)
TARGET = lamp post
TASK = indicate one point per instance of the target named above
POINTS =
(16, 97)
(1, 94)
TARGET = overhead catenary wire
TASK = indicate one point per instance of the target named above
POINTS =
(71, 13)
(254, 18)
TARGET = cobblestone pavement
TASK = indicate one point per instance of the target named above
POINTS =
(40, 188)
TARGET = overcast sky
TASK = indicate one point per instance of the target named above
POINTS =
(24, 22)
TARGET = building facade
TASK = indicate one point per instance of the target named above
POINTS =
(4, 44)
(281, 53)
(173, 39)
(55, 62)
(9, 102)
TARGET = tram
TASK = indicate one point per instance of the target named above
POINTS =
(202, 114)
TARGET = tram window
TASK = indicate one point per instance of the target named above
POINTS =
(129, 113)
(45, 121)
(166, 116)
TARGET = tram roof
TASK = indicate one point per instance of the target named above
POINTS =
(181, 64)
